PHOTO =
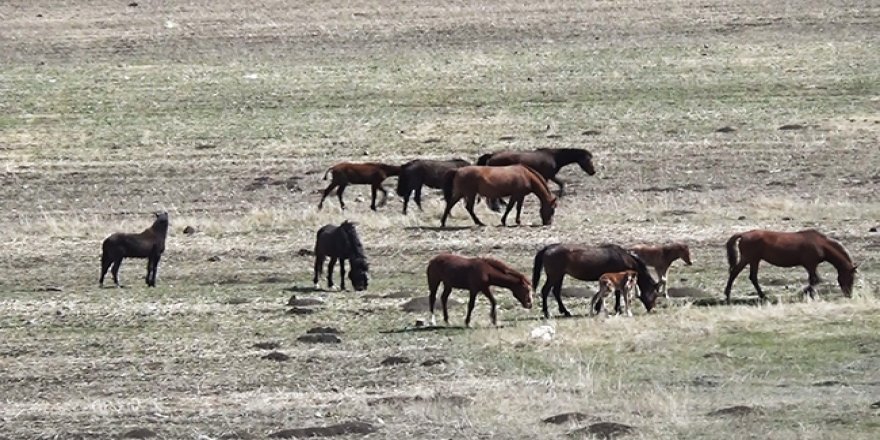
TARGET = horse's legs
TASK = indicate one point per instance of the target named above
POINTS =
(327, 193)
(561, 185)
(115, 270)
(557, 292)
(330, 267)
(342, 273)
(469, 204)
(472, 301)
(152, 268)
(734, 272)
(661, 274)
(595, 305)
(319, 263)
(339, 195)
(433, 284)
(493, 312)
(373, 189)
(519, 204)
(384, 195)
(406, 200)
(814, 280)
(447, 289)
(506, 212)
(753, 276)
(106, 261)
(449, 205)
(545, 292)
(418, 196)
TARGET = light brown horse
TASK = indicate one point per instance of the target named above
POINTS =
(660, 257)
(805, 248)
(621, 284)
(516, 181)
(366, 173)
(476, 275)
(588, 263)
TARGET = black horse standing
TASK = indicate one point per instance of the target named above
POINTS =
(149, 244)
(423, 172)
(341, 243)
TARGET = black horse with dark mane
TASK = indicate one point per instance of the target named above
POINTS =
(341, 243)
(546, 161)
(149, 244)
(423, 172)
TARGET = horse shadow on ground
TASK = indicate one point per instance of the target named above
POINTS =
(307, 289)
(437, 228)
(428, 328)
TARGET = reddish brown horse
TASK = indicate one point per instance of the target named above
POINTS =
(660, 257)
(516, 181)
(805, 248)
(367, 173)
(588, 263)
(476, 275)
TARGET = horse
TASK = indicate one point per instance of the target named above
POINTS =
(588, 263)
(515, 181)
(546, 161)
(805, 248)
(416, 173)
(476, 275)
(661, 257)
(149, 244)
(342, 243)
(621, 284)
(366, 173)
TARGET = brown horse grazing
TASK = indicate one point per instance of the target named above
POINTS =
(422, 172)
(368, 173)
(342, 243)
(588, 263)
(661, 257)
(546, 161)
(476, 275)
(805, 248)
(515, 181)
(149, 244)
(621, 284)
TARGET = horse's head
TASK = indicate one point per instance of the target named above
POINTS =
(358, 274)
(649, 297)
(684, 252)
(161, 216)
(846, 278)
(586, 163)
(547, 211)
(523, 292)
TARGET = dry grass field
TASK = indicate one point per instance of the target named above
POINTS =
(227, 113)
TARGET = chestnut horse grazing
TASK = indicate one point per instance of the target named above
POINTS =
(515, 181)
(805, 248)
(476, 275)
(422, 172)
(661, 257)
(367, 173)
(621, 284)
(588, 263)
(342, 243)
(149, 244)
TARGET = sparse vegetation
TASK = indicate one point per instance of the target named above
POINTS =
(226, 114)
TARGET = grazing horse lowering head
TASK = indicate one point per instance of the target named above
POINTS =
(547, 211)
(846, 278)
(586, 162)
(359, 268)
(523, 292)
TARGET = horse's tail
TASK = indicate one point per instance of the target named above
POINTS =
(403, 180)
(484, 159)
(328, 172)
(449, 185)
(731, 250)
(538, 266)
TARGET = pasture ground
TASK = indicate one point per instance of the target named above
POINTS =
(227, 113)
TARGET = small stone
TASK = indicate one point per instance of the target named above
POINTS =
(432, 362)
(395, 360)
(189, 230)
(300, 311)
(214, 258)
(332, 330)
(874, 229)
(304, 302)
(263, 258)
(792, 127)
(742, 217)
(725, 129)
(319, 338)
(139, 433)
(267, 345)
(276, 356)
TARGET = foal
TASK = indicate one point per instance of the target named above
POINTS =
(476, 275)
(661, 257)
(367, 173)
(621, 284)
(149, 244)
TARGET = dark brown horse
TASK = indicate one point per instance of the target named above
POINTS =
(660, 257)
(149, 244)
(546, 161)
(476, 275)
(341, 243)
(423, 172)
(516, 181)
(588, 263)
(805, 248)
(367, 173)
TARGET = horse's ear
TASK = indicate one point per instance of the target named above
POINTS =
(855, 267)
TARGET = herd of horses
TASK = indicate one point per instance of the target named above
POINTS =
(620, 271)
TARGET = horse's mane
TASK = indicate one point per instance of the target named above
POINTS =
(354, 241)
(538, 176)
(833, 243)
(641, 267)
(503, 268)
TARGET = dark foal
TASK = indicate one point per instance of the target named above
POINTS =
(805, 248)
(149, 244)
(423, 172)
(588, 263)
(368, 173)
(341, 243)
(476, 275)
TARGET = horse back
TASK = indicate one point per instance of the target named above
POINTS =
(128, 245)
(541, 161)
